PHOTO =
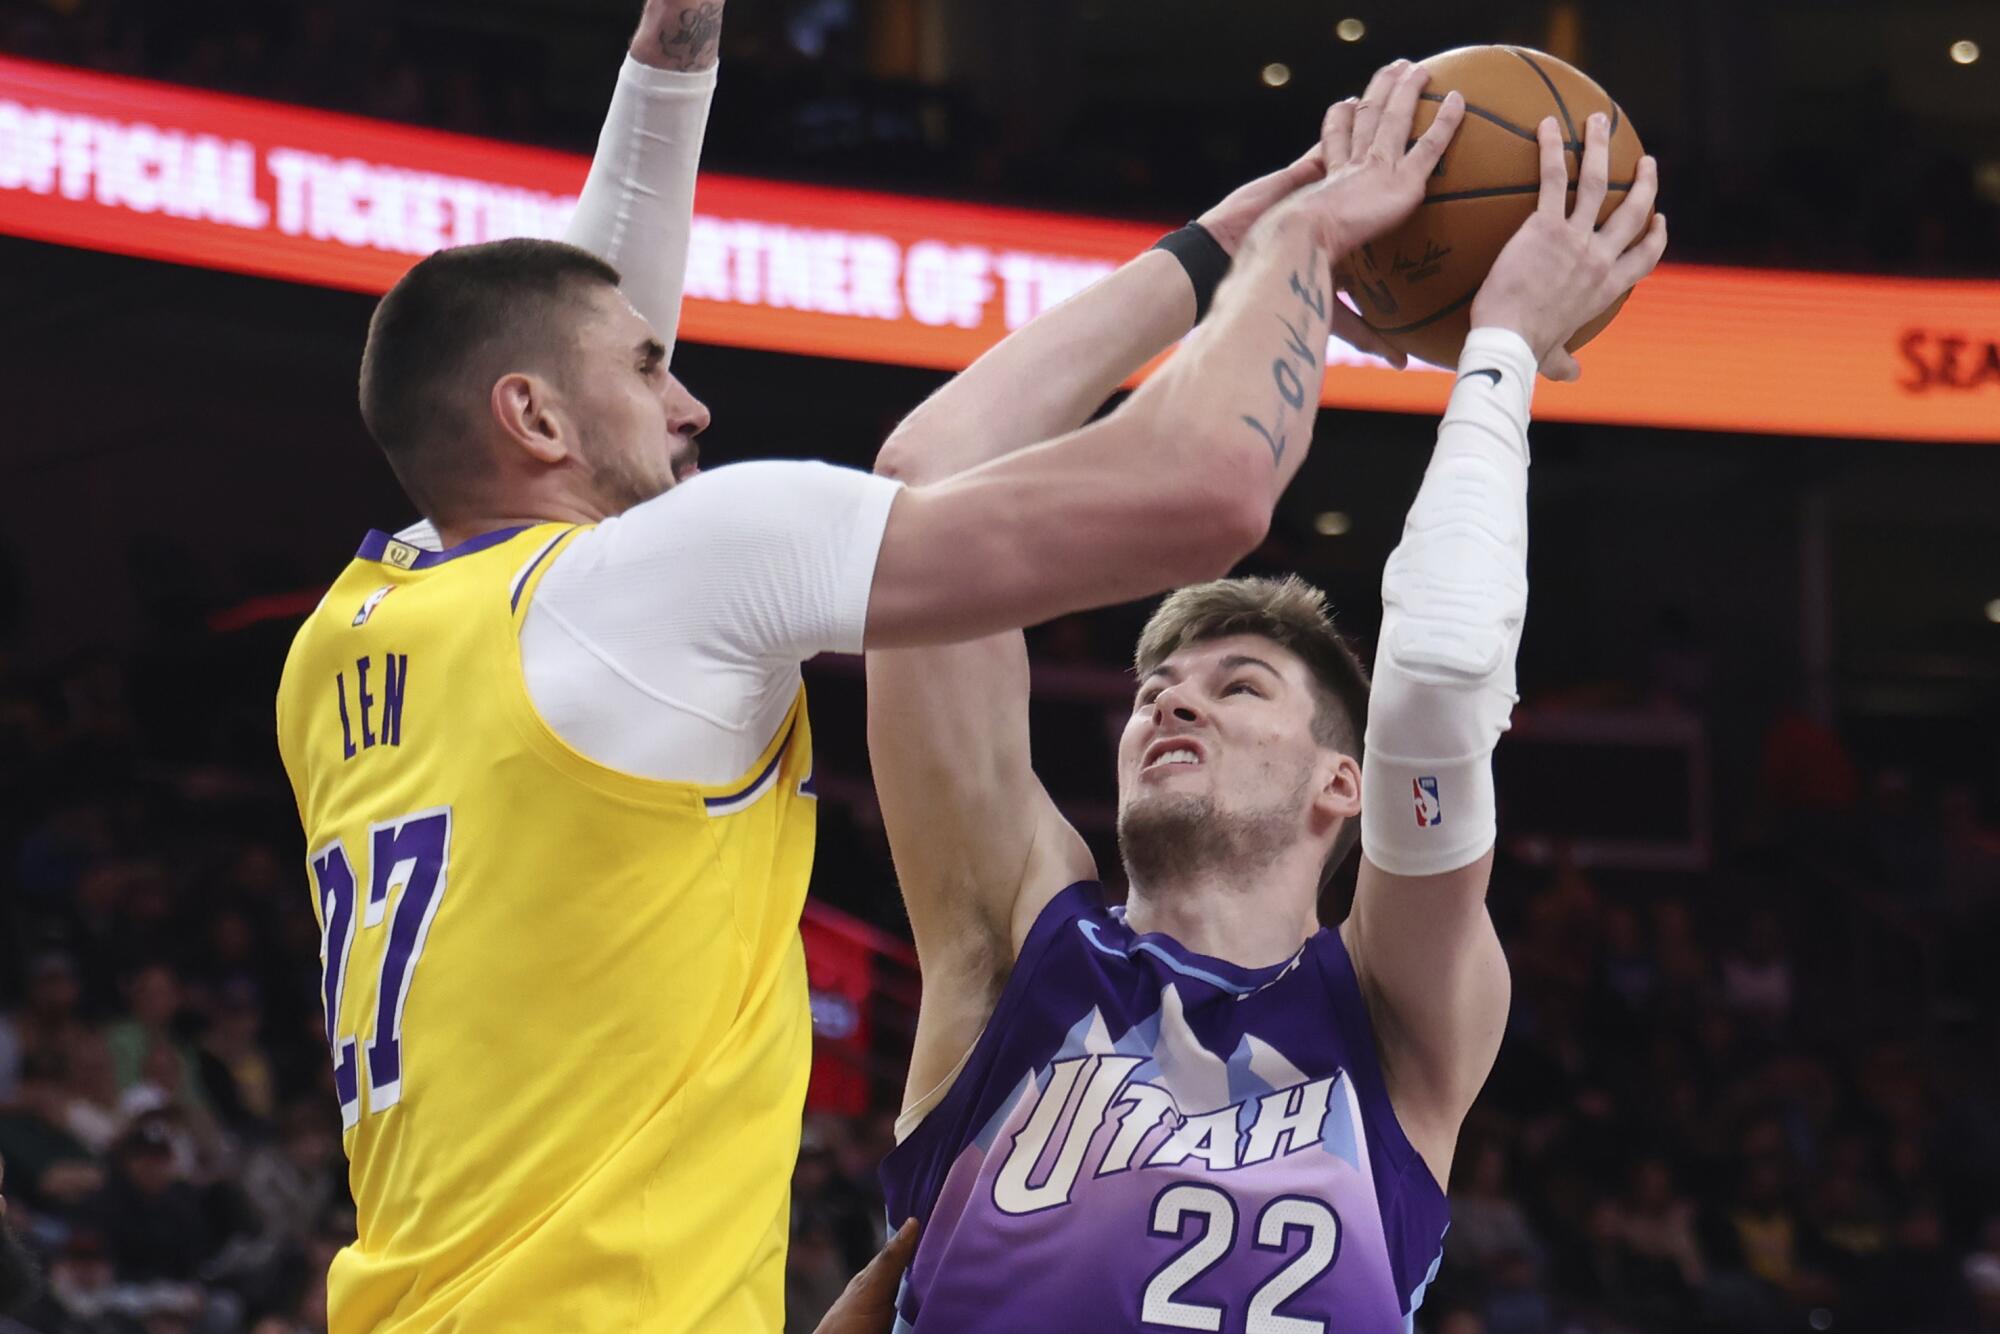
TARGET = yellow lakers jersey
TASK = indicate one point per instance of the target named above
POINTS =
(566, 1006)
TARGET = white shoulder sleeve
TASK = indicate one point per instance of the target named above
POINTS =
(769, 561)
(637, 206)
(666, 642)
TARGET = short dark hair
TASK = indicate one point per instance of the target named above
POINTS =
(459, 314)
(1292, 614)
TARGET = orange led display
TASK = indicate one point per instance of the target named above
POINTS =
(199, 178)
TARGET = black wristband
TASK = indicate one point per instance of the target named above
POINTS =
(1206, 262)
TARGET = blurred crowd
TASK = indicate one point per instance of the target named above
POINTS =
(803, 100)
(171, 1150)
(1703, 1119)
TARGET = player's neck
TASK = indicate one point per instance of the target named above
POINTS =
(1251, 918)
(462, 528)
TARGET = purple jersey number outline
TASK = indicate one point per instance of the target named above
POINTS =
(409, 852)
(334, 875)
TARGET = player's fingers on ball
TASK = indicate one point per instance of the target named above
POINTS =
(1382, 82)
(1365, 339)
(1593, 178)
(1336, 133)
(1430, 147)
(1554, 198)
(1352, 330)
(1628, 221)
(1396, 357)
(1399, 112)
(1654, 246)
(1368, 112)
(1561, 366)
(1642, 258)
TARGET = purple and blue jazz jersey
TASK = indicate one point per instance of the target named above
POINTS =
(1146, 1138)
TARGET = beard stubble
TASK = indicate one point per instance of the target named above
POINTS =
(1168, 838)
(621, 482)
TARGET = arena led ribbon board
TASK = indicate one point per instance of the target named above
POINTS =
(152, 170)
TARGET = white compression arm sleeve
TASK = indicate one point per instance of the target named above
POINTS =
(637, 207)
(1454, 594)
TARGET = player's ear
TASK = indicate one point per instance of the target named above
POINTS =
(1339, 794)
(523, 407)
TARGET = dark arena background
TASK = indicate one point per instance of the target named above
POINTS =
(1749, 877)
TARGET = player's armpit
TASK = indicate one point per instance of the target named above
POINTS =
(979, 847)
(963, 979)
(1436, 982)
(948, 745)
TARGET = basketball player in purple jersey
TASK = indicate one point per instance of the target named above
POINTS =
(1201, 1111)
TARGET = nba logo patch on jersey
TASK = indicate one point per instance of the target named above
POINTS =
(1430, 811)
(374, 601)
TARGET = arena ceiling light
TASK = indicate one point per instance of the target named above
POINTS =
(1964, 52)
(1986, 179)
(1276, 74)
(1350, 30)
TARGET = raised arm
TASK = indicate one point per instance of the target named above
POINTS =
(1178, 483)
(1454, 597)
(1048, 377)
(979, 846)
(637, 205)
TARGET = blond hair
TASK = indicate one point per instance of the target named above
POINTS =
(1292, 614)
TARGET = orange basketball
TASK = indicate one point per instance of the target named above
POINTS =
(1415, 285)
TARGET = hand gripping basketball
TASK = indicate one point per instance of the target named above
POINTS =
(1231, 220)
(1558, 272)
(1374, 174)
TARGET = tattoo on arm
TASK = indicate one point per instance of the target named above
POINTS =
(692, 44)
(1296, 360)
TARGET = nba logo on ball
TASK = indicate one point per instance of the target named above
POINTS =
(1430, 812)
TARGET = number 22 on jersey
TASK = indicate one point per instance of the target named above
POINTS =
(405, 862)
(1283, 1216)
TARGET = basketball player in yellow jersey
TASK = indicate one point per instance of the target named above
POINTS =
(551, 751)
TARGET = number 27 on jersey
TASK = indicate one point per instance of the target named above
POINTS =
(405, 862)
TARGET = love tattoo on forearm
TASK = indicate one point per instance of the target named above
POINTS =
(1298, 367)
(692, 44)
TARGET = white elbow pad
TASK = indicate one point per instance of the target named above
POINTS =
(1454, 595)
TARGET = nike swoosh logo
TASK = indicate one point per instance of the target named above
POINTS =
(1484, 370)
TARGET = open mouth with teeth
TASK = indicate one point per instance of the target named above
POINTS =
(1169, 753)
